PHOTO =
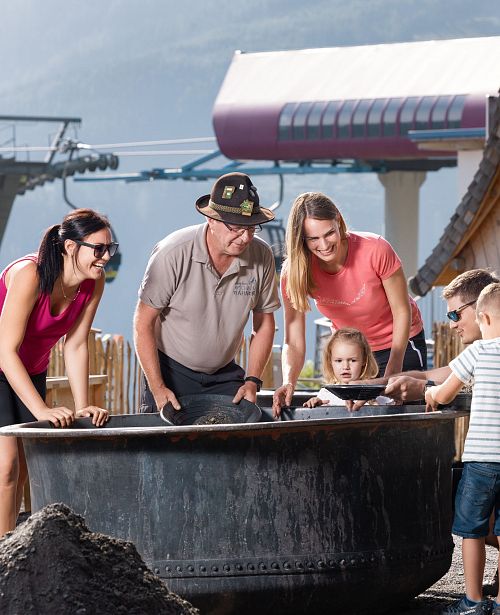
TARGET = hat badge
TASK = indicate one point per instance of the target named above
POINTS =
(246, 208)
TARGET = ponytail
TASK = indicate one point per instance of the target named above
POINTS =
(77, 225)
(50, 259)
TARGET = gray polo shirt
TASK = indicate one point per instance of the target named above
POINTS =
(203, 315)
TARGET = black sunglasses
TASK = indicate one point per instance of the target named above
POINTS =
(455, 315)
(100, 249)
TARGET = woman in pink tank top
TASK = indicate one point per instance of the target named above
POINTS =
(44, 297)
(356, 280)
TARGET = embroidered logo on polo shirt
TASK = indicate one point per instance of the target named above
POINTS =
(246, 288)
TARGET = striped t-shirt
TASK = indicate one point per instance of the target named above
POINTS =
(481, 362)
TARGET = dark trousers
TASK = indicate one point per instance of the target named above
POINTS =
(415, 355)
(12, 409)
(184, 381)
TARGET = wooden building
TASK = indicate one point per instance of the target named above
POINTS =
(471, 239)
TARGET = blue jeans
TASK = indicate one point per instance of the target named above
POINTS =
(478, 495)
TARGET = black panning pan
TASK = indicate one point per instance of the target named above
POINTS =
(356, 391)
(208, 409)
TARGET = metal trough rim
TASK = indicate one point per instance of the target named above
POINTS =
(24, 430)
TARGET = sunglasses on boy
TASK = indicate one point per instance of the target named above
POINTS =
(100, 249)
(455, 315)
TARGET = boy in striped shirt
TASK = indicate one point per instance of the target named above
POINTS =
(478, 494)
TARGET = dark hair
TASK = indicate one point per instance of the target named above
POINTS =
(77, 225)
(469, 284)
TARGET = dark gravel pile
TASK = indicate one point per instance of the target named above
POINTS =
(53, 564)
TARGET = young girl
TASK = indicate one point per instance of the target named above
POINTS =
(347, 357)
(43, 297)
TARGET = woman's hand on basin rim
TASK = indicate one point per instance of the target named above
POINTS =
(282, 397)
(59, 416)
(100, 416)
(313, 402)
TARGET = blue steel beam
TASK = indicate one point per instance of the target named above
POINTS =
(191, 170)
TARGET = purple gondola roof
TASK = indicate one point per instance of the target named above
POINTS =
(353, 102)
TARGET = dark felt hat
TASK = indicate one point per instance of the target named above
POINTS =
(234, 200)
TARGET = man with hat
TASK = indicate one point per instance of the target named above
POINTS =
(200, 286)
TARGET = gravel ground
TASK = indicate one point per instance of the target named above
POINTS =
(450, 587)
(446, 590)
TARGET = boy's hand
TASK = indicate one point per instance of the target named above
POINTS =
(430, 403)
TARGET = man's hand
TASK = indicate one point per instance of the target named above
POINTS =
(247, 391)
(282, 397)
(164, 396)
(405, 388)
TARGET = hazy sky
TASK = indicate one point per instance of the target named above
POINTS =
(144, 70)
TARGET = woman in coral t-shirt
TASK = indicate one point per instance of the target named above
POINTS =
(356, 280)
(44, 297)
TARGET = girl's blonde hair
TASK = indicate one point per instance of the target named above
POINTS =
(299, 282)
(353, 336)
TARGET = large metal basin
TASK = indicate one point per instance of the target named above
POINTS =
(323, 512)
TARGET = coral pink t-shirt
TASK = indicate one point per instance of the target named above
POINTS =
(42, 329)
(355, 296)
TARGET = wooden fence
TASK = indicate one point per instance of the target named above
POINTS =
(448, 345)
(113, 356)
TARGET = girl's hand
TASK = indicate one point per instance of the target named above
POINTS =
(59, 416)
(313, 402)
(99, 415)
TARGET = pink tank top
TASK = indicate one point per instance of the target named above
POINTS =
(44, 330)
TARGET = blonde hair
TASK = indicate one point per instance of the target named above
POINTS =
(489, 299)
(297, 267)
(353, 336)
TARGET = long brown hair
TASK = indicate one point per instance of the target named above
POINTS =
(352, 336)
(299, 282)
